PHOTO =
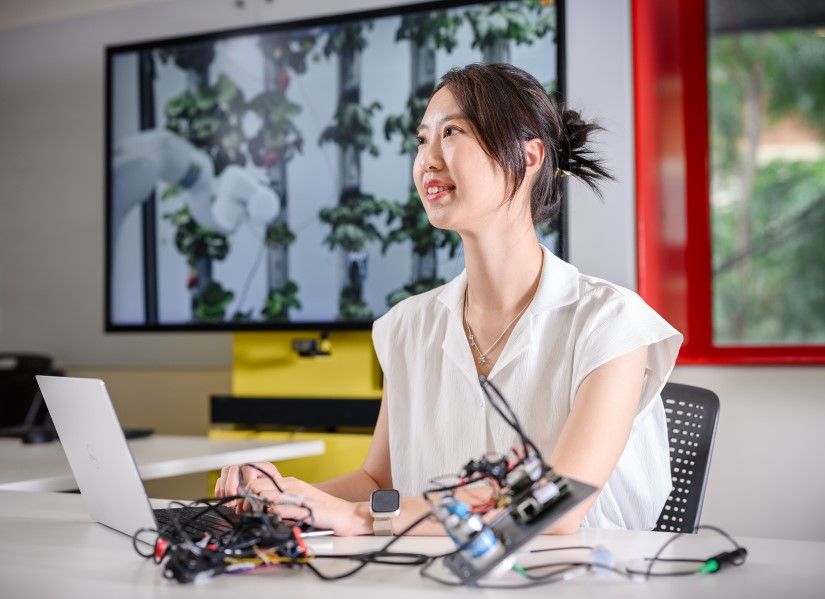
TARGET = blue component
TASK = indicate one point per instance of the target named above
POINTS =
(454, 506)
(469, 531)
(482, 543)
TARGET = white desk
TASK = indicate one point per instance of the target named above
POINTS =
(49, 548)
(44, 467)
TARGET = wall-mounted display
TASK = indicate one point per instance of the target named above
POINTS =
(260, 179)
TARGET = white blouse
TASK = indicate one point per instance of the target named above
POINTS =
(438, 417)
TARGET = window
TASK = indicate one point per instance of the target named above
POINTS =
(730, 111)
(766, 91)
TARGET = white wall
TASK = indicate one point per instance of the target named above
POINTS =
(600, 86)
(765, 478)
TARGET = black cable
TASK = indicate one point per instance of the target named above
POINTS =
(375, 556)
(525, 438)
(459, 485)
(514, 423)
(265, 473)
(152, 553)
(588, 565)
(570, 548)
(736, 557)
(425, 573)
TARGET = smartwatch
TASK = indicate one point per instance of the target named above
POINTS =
(385, 504)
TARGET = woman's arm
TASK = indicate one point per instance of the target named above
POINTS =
(596, 432)
(591, 442)
(341, 503)
(375, 472)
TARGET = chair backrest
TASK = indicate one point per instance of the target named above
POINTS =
(19, 395)
(692, 414)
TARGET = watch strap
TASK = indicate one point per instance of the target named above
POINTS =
(382, 527)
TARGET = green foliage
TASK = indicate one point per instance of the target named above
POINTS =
(210, 118)
(191, 57)
(351, 306)
(242, 316)
(551, 88)
(521, 21)
(278, 138)
(413, 289)
(352, 127)
(278, 233)
(351, 222)
(406, 125)
(171, 192)
(414, 226)
(786, 302)
(292, 50)
(210, 304)
(768, 282)
(347, 38)
(437, 30)
(788, 70)
(279, 301)
(194, 241)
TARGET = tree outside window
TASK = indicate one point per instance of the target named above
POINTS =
(766, 92)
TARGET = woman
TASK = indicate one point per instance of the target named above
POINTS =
(580, 360)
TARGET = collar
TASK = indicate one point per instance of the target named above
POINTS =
(558, 286)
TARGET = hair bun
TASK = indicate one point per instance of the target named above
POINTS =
(575, 129)
(576, 158)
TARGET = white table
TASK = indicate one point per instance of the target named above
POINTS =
(49, 548)
(44, 467)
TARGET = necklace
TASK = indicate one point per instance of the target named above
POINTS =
(482, 356)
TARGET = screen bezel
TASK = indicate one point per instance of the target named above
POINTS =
(274, 326)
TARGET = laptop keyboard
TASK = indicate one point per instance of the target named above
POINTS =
(195, 521)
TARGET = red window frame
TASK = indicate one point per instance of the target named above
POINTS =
(673, 234)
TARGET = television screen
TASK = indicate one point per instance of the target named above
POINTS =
(260, 179)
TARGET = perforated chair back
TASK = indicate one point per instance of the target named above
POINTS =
(692, 413)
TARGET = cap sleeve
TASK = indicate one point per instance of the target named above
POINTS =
(381, 330)
(621, 324)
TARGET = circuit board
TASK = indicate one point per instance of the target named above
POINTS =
(512, 533)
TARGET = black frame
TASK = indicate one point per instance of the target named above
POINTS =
(110, 50)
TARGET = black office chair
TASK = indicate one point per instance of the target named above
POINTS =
(692, 414)
(22, 408)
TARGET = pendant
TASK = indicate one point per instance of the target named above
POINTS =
(482, 360)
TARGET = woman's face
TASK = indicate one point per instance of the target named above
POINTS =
(459, 184)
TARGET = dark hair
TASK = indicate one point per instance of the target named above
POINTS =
(507, 106)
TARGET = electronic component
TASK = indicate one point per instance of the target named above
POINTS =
(479, 545)
(517, 524)
(531, 494)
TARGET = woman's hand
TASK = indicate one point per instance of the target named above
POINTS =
(233, 476)
(345, 518)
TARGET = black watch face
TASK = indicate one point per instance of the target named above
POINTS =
(385, 501)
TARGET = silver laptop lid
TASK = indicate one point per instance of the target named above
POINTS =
(101, 462)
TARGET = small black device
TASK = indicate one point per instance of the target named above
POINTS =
(385, 501)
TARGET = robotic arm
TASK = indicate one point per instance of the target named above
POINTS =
(143, 159)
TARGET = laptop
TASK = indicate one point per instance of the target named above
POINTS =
(103, 466)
